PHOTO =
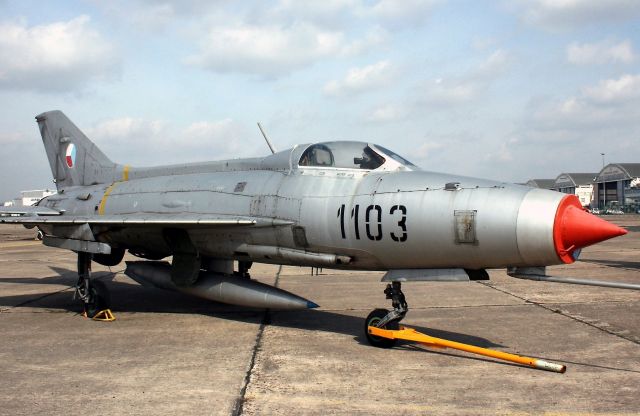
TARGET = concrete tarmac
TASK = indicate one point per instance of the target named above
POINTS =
(171, 354)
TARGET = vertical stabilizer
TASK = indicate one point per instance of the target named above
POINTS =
(74, 159)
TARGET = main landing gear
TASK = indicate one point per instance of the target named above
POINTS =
(385, 319)
(93, 293)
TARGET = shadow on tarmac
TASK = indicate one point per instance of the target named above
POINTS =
(616, 263)
(133, 298)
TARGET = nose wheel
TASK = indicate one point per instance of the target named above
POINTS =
(374, 319)
(382, 318)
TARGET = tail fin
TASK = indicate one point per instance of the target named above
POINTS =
(74, 159)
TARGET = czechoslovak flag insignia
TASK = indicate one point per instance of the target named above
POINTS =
(71, 155)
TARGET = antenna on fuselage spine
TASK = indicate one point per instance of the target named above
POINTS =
(273, 150)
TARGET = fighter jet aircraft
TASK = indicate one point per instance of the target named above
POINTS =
(336, 204)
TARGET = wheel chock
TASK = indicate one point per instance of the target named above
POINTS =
(410, 334)
(104, 315)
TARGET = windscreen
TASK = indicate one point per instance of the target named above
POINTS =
(395, 156)
(345, 155)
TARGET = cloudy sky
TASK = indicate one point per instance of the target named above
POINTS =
(506, 90)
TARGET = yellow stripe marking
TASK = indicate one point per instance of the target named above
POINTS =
(103, 202)
(125, 173)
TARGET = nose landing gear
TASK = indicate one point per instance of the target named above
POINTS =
(383, 331)
(382, 318)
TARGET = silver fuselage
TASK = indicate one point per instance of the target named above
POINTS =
(378, 220)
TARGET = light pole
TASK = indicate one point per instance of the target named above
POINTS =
(604, 187)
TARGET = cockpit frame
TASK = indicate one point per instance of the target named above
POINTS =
(351, 155)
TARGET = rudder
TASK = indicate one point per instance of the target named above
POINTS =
(74, 159)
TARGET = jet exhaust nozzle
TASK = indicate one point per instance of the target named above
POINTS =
(218, 287)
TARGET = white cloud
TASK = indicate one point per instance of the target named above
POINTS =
(60, 56)
(152, 16)
(25, 164)
(158, 14)
(126, 128)
(559, 14)
(258, 38)
(426, 149)
(600, 52)
(387, 113)
(613, 91)
(154, 142)
(577, 129)
(12, 138)
(447, 92)
(440, 94)
(313, 8)
(503, 153)
(494, 64)
(371, 40)
(328, 13)
(267, 50)
(359, 80)
(400, 13)
(606, 111)
(225, 135)
(481, 43)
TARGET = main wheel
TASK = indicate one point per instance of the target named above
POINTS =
(372, 320)
(99, 298)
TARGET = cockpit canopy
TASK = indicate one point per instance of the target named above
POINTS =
(352, 155)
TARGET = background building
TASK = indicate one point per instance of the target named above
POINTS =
(578, 184)
(541, 183)
(618, 184)
(31, 197)
(28, 198)
(15, 202)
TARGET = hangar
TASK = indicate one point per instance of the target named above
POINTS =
(618, 184)
(540, 183)
(578, 184)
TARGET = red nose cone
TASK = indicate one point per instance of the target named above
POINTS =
(575, 228)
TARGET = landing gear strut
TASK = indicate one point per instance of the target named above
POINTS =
(93, 293)
(385, 319)
(243, 269)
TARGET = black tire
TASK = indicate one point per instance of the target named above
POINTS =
(372, 320)
(99, 298)
(113, 259)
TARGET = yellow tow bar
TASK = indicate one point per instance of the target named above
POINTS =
(409, 334)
